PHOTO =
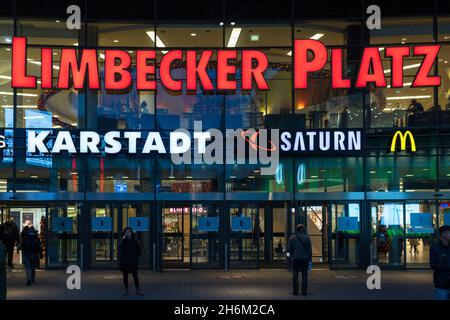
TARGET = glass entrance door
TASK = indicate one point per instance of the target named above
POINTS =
(345, 227)
(244, 235)
(388, 234)
(105, 227)
(176, 226)
(61, 244)
(314, 216)
(207, 236)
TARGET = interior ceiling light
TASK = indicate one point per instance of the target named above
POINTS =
(411, 66)
(234, 37)
(317, 36)
(408, 97)
(154, 37)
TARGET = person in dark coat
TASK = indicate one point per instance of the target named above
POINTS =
(440, 264)
(300, 254)
(31, 252)
(129, 252)
(9, 235)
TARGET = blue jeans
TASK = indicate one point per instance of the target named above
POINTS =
(30, 267)
(441, 294)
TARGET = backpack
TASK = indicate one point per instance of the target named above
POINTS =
(8, 232)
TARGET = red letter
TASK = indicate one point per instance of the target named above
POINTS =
(337, 82)
(224, 69)
(19, 65)
(301, 64)
(46, 68)
(422, 79)
(397, 54)
(112, 69)
(143, 70)
(69, 64)
(192, 69)
(164, 70)
(371, 57)
(258, 72)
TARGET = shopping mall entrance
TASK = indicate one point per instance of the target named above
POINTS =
(56, 225)
(334, 228)
(107, 221)
(225, 235)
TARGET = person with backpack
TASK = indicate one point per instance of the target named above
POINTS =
(300, 254)
(9, 235)
(31, 252)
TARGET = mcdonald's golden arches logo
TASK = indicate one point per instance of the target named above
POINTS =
(403, 136)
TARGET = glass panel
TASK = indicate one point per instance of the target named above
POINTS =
(257, 36)
(62, 248)
(104, 234)
(388, 233)
(176, 231)
(345, 234)
(189, 36)
(204, 238)
(279, 228)
(328, 174)
(420, 232)
(403, 31)
(315, 228)
(244, 236)
(130, 212)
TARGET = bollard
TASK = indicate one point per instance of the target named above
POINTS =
(2, 272)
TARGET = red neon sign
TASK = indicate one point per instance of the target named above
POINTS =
(79, 67)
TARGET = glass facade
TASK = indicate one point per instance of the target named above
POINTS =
(378, 193)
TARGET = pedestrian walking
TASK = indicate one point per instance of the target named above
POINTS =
(31, 252)
(300, 254)
(129, 252)
(440, 264)
(9, 235)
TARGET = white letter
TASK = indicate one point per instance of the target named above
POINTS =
(285, 136)
(89, 140)
(354, 140)
(115, 146)
(201, 138)
(339, 138)
(373, 21)
(311, 140)
(374, 280)
(132, 139)
(2, 142)
(149, 146)
(64, 142)
(74, 280)
(175, 136)
(324, 146)
(73, 21)
(37, 141)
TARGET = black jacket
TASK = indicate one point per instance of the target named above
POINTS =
(129, 252)
(31, 244)
(9, 232)
(300, 247)
(440, 264)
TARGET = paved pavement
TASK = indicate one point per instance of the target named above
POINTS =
(214, 284)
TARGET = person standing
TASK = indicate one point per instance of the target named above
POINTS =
(31, 252)
(440, 264)
(9, 235)
(129, 252)
(300, 254)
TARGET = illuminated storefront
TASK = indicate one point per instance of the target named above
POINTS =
(376, 202)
